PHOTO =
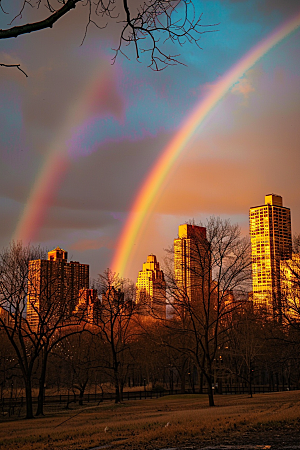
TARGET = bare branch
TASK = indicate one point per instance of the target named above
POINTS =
(36, 26)
(18, 66)
(149, 25)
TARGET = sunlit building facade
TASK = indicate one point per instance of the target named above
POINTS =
(54, 285)
(192, 262)
(271, 243)
(5, 316)
(151, 289)
(290, 287)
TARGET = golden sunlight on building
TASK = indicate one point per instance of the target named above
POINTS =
(53, 286)
(290, 287)
(151, 289)
(191, 262)
(271, 242)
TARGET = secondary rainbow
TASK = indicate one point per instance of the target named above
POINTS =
(145, 200)
(58, 159)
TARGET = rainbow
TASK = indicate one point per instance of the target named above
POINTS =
(59, 156)
(145, 200)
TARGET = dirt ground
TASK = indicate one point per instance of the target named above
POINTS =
(267, 421)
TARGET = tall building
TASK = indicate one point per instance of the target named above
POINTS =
(271, 242)
(151, 289)
(54, 285)
(192, 262)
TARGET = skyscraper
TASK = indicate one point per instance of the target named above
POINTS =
(151, 289)
(271, 242)
(191, 262)
(54, 285)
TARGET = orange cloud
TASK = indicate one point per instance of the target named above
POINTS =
(244, 87)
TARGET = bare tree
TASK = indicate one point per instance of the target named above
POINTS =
(116, 327)
(35, 315)
(80, 356)
(246, 346)
(212, 273)
(149, 25)
(290, 285)
(13, 297)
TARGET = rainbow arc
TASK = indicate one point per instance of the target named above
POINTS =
(146, 197)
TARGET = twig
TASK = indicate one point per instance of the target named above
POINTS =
(18, 66)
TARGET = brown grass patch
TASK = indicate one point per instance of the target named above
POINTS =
(142, 424)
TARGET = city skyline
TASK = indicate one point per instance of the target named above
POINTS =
(185, 233)
(115, 122)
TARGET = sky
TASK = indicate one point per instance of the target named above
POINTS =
(86, 133)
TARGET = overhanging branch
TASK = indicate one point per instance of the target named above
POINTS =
(36, 26)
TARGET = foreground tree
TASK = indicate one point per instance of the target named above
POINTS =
(148, 24)
(34, 315)
(246, 346)
(13, 297)
(211, 277)
(116, 328)
(81, 356)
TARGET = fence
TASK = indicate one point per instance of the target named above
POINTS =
(9, 405)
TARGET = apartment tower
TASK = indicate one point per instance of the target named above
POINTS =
(271, 243)
(53, 286)
(191, 262)
(151, 289)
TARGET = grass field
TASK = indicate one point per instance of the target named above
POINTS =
(151, 424)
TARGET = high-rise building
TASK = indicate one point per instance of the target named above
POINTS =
(151, 289)
(54, 285)
(271, 242)
(192, 262)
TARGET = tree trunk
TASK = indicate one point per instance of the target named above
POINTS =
(29, 409)
(210, 393)
(201, 382)
(81, 392)
(117, 393)
(182, 381)
(250, 385)
(121, 388)
(40, 406)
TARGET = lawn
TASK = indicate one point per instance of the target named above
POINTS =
(151, 424)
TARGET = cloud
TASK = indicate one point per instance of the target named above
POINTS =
(243, 150)
(244, 87)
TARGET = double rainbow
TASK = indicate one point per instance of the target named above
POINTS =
(58, 159)
(145, 200)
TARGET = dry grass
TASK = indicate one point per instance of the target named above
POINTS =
(142, 424)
